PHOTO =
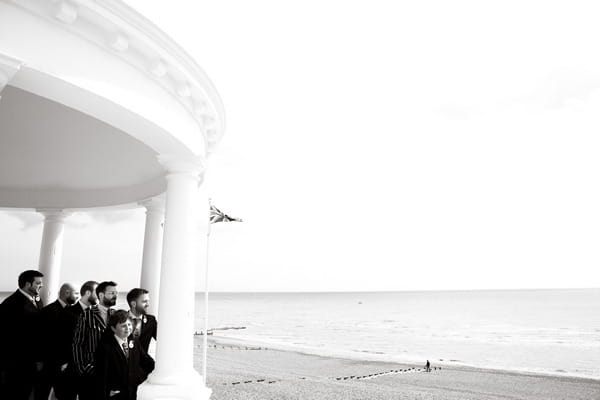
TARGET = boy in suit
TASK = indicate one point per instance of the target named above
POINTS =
(121, 362)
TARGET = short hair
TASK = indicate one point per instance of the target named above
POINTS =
(87, 287)
(118, 317)
(103, 285)
(134, 294)
(28, 276)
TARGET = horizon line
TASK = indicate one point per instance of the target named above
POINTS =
(400, 290)
(382, 291)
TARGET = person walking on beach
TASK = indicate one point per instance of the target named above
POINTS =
(144, 324)
(51, 325)
(68, 377)
(91, 326)
(121, 362)
(427, 366)
(20, 337)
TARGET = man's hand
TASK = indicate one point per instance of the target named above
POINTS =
(63, 367)
(89, 369)
(113, 393)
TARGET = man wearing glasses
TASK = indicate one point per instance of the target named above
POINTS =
(107, 298)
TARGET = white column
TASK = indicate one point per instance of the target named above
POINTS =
(153, 237)
(51, 252)
(174, 377)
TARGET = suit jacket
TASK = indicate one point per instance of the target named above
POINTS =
(52, 310)
(22, 342)
(114, 371)
(148, 332)
(51, 325)
(88, 333)
(68, 319)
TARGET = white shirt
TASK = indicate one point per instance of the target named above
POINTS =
(83, 306)
(29, 297)
(62, 303)
(103, 313)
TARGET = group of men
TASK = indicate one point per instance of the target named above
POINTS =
(61, 345)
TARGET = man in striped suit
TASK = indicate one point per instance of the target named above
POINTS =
(69, 378)
(90, 329)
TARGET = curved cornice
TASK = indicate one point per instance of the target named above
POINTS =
(136, 40)
(16, 198)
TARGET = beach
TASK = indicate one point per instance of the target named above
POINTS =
(245, 371)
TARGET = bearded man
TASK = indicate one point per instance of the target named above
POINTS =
(51, 320)
(21, 337)
(144, 324)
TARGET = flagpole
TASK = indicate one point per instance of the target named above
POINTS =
(205, 337)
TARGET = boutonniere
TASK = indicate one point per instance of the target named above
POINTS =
(37, 298)
(131, 344)
(144, 319)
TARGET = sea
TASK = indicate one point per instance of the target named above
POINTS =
(555, 332)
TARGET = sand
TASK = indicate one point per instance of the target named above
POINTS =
(238, 371)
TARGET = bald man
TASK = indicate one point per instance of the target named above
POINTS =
(51, 322)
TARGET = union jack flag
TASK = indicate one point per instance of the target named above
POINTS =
(217, 215)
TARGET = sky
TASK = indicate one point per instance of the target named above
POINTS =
(379, 145)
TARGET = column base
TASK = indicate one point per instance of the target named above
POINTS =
(183, 386)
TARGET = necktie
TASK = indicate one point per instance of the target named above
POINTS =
(125, 350)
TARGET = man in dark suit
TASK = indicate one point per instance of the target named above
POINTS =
(121, 362)
(91, 326)
(144, 324)
(51, 325)
(21, 336)
(68, 377)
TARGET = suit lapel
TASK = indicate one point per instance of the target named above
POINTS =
(29, 305)
(99, 322)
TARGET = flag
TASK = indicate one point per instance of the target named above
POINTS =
(217, 215)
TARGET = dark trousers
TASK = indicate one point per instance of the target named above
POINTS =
(19, 379)
(46, 381)
(52, 377)
(66, 384)
(86, 388)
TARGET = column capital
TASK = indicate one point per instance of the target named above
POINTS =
(192, 166)
(9, 66)
(154, 204)
(53, 214)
